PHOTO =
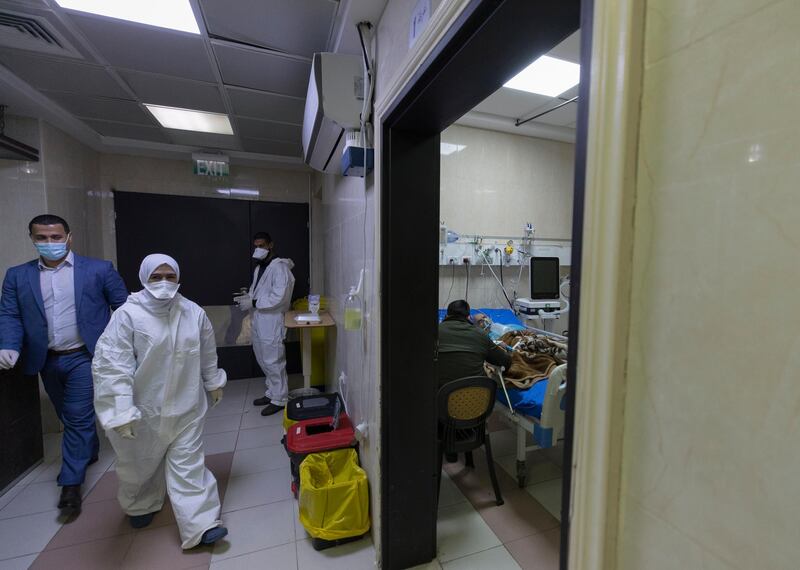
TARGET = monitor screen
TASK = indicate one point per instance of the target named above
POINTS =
(544, 278)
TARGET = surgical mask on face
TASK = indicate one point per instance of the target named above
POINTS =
(52, 251)
(162, 289)
(260, 253)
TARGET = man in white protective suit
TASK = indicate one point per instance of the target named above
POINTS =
(269, 297)
(152, 368)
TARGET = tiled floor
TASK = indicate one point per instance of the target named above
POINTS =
(244, 452)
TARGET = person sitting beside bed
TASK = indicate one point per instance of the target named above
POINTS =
(463, 348)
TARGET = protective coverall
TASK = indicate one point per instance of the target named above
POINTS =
(273, 296)
(153, 365)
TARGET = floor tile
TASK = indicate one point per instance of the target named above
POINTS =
(233, 405)
(549, 495)
(9, 495)
(20, 563)
(461, 531)
(94, 555)
(537, 467)
(497, 558)
(432, 565)
(103, 519)
(283, 557)
(35, 498)
(252, 418)
(359, 555)
(104, 489)
(49, 472)
(219, 442)
(299, 530)
(504, 442)
(256, 460)
(161, 548)
(221, 424)
(254, 529)
(256, 489)
(518, 517)
(220, 464)
(31, 533)
(259, 437)
(449, 494)
(164, 517)
(537, 552)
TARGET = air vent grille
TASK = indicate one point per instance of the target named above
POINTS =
(29, 27)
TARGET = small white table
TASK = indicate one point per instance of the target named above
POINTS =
(326, 320)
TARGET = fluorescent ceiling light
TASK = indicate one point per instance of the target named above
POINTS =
(172, 14)
(238, 192)
(188, 120)
(449, 148)
(547, 76)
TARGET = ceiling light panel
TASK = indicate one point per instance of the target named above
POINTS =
(546, 76)
(188, 120)
(170, 14)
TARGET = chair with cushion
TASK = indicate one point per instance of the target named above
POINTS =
(463, 407)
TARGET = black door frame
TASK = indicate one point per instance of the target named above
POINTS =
(489, 42)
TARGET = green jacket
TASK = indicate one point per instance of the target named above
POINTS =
(463, 350)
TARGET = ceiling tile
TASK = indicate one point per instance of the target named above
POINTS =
(268, 106)
(246, 67)
(127, 131)
(512, 103)
(569, 49)
(272, 147)
(252, 129)
(62, 75)
(99, 108)
(570, 93)
(173, 92)
(203, 140)
(146, 48)
(300, 27)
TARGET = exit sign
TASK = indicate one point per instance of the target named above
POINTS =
(211, 165)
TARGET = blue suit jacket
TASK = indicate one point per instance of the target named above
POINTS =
(23, 325)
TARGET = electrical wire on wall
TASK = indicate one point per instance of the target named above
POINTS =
(466, 290)
(452, 282)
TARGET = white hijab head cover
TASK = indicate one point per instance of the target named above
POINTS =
(153, 262)
(150, 264)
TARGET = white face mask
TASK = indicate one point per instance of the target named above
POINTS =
(162, 289)
(260, 253)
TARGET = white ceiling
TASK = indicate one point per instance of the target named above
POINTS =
(505, 106)
(251, 61)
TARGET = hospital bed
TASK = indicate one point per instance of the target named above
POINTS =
(538, 410)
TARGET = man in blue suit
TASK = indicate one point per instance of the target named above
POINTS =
(52, 311)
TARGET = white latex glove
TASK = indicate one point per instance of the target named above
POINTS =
(8, 358)
(125, 431)
(216, 396)
(245, 302)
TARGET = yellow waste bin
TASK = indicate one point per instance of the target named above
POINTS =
(334, 498)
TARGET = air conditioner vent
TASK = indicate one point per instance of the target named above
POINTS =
(33, 33)
(29, 27)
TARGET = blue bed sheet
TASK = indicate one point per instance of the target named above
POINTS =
(528, 401)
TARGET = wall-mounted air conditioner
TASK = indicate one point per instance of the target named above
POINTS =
(333, 105)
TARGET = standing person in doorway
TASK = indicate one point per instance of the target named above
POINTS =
(269, 298)
(153, 366)
(52, 311)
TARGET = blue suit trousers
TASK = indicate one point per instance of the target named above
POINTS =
(68, 381)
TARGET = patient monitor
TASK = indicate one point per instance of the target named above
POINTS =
(545, 294)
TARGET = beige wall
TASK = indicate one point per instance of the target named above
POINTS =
(494, 185)
(712, 416)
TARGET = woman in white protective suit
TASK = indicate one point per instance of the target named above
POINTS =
(152, 368)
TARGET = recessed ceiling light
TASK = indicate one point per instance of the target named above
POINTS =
(547, 76)
(172, 14)
(188, 120)
(238, 192)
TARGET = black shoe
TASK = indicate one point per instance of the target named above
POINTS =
(141, 521)
(271, 409)
(93, 460)
(70, 502)
(263, 401)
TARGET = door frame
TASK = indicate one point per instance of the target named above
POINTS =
(481, 46)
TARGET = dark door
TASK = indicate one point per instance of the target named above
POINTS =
(20, 425)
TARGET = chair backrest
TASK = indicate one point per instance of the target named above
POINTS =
(466, 402)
